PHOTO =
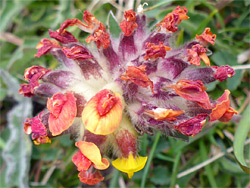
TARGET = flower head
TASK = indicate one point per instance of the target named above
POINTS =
(108, 94)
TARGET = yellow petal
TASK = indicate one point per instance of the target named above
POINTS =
(106, 121)
(204, 57)
(130, 165)
(92, 152)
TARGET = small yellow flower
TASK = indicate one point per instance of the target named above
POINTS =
(130, 165)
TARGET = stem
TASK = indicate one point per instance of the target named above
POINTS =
(114, 180)
(240, 67)
(175, 168)
(150, 158)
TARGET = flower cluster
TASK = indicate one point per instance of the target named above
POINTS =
(106, 97)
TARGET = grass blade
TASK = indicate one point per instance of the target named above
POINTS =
(208, 168)
(240, 137)
(150, 158)
(175, 169)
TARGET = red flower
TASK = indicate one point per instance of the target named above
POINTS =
(37, 128)
(138, 76)
(62, 112)
(171, 20)
(222, 110)
(129, 24)
(63, 36)
(76, 52)
(196, 53)
(45, 45)
(90, 177)
(192, 126)
(155, 51)
(100, 37)
(223, 72)
(33, 75)
(206, 37)
(193, 91)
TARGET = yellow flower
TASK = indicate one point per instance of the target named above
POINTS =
(103, 113)
(130, 165)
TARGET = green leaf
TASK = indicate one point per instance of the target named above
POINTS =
(211, 86)
(230, 167)
(31, 42)
(191, 25)
(3, 93)
(239, 140)
(247, 38)
(204, 23)
(18, 54)
(180, 39)
(247, 2)
(18, 147)
(63, 13)
(224, 58)
(161, 176)
(237, 29)
(9, 10)
(113, 26)
(234, 82)
(208, 168)
(115, 177)
(12, 85)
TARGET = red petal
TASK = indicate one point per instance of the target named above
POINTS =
(37, 128)
(155, 51)
(126, 142)
(90, 178)
(91, 21)
(161, 114)
(223, 72)
(206, 37)
(196, 53)
(100, 37)
(129, 24)
(182, 13)
(33, 75)
(76, 52)
(26, 90)
(194, 91)
(45, 45)
(222, 106)
(62, 112)
(64, 37)
(227, 116)
(130, 15)
(82, 162)
(128, 27)
(171, 20)
(192, 126)
(138, 76)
